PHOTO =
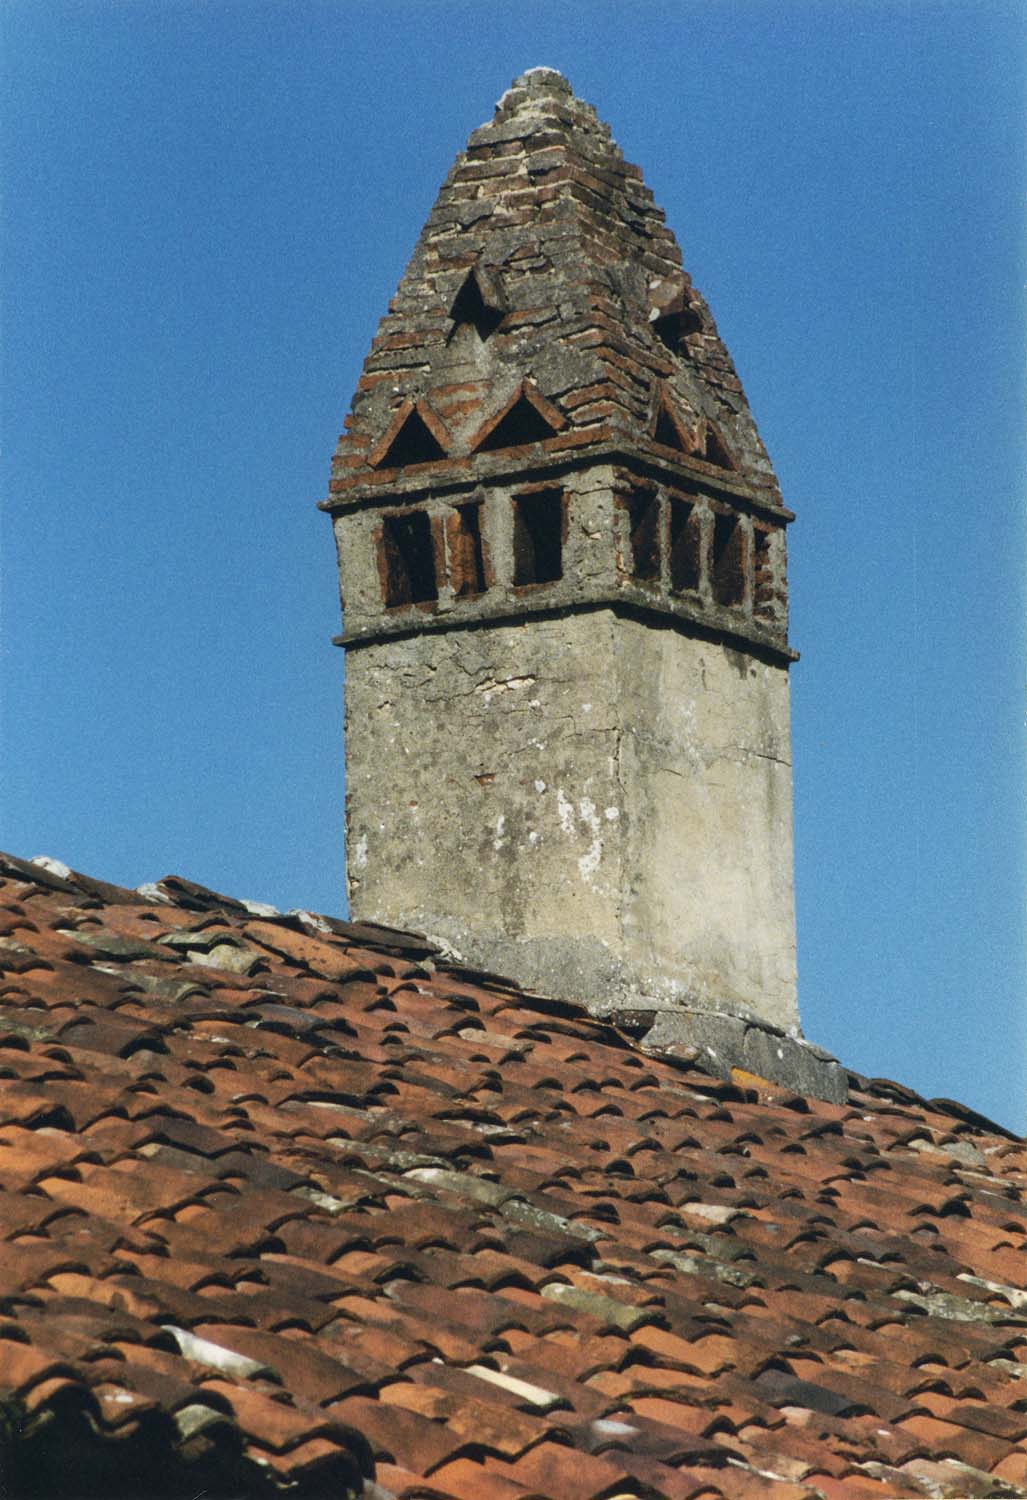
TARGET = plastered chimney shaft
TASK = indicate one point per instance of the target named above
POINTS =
(562, 562)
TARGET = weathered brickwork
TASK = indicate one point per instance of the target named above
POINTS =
(545, 259)
(563, 572)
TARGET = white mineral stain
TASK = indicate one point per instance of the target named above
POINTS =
(540, 787)
(589, 861)
(564, 811)
(588, 864)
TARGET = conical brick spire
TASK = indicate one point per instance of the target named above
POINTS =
(546, 272)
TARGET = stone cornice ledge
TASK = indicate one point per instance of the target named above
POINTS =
(739, 633)
(447, 475)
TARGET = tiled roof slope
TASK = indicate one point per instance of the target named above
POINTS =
(550, 246)
(287, 1204)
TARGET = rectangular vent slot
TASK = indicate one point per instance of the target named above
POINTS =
(643, 507)
(685, 535)
(728, 560)
(409, 559)
(538, 537)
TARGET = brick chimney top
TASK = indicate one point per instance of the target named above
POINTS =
(535, 79)
(546, 94)
(562, 560)
(546, 278)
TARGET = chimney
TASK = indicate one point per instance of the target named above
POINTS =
(562, 564)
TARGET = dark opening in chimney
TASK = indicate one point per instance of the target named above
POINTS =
(668, 432)
(414, 443)
(643, 507)
(715, 450)
(523, 423)
(685, 537)
(538, 536)
(674, 327)
(409, 559)
(470, 307)
(728, 571)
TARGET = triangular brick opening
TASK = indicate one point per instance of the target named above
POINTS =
(668, 429)
(715, 450)
(410, 440)
(473, 307)
(672, 328)
(527, 418)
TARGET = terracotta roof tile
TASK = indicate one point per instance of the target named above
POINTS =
(518, 1257)
(1012, 1469)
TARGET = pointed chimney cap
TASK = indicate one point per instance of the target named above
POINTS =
(576, 285)
(537, 89)
(535, 79)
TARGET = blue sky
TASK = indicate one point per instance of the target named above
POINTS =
(208, 206)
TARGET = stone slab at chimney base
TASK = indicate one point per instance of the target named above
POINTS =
(615, 793)
(723, 1043)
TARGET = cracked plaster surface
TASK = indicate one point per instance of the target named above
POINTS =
(620, 796)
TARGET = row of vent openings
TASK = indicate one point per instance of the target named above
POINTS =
(707, 443)
(415, 443)
(410, 554)
(728, 553)
(529, 418)
(480, 305)
(410, 550)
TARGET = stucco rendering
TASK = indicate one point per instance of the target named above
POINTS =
(621, 793)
